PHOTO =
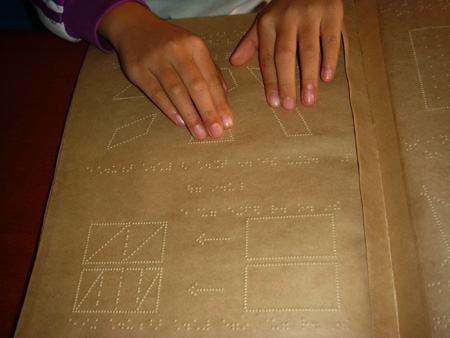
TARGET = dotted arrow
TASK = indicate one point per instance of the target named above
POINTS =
(203, 239)
(195, 290)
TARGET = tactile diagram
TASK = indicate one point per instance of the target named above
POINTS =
(122, 266)
(287, 264)
(291, 125)
(126, 273)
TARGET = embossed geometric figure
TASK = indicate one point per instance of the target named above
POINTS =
(132, 242)
(118, 290)
(131, 131)
(290, 237)
(440, 210)
(292, 123)
(226, 137)
(229, 78)
(430, 48)
(302, 286)
(130, 92)
(256, 73)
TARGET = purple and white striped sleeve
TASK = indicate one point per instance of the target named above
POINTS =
(74, 20)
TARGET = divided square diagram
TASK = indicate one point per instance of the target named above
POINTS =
(118, 290)
(130, 242)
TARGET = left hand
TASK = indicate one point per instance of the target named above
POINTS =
(277, 31)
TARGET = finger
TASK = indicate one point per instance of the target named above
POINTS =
(214, 80)
(246, 48)
(201, 93)
(331, 38)
(267, 64)
(224, 83)
(223, 108)
(309, 50)
(285, 55)
(178, 94)
(151, 87)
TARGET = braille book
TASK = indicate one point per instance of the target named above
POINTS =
(330, 221)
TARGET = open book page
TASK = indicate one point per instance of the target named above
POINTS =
(416, 45)
(149, 231)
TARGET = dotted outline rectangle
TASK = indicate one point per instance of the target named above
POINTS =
(159, 276)
(294, 309)
(127, 224)
(333, 235)
(193, 141)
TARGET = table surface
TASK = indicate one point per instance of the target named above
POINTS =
(38, 73)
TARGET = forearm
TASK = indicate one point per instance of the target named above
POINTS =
(127, 20)
(78, 19)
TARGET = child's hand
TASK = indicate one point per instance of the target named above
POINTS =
(171, 66)
(277, 31)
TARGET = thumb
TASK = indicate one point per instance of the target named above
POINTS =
(247, 47)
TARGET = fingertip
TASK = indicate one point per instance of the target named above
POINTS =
(274, 100)
(199, 132)
(233, 57)
(288, 103)
(225, 86)
(179, 121)
(216, 130)
(246, 48)
(227, 121)
(224, 83)
(327, 74)
(309, 96)
(238, 58)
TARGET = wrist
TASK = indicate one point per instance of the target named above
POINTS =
(124, 19)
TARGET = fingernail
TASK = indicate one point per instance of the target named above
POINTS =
(180, 121)
(308, 95)
(308, 98)
(200, 132)
(216, 130)
(227, 121)
(288, 103)
(225, 86)
(274, 100)
(326, 74)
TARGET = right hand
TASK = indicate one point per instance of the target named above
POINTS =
(171, 66)
(284, 29)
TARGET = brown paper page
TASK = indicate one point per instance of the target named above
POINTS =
(416, 44)
(149, 232)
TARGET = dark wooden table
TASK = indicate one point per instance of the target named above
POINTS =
(38, 72)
